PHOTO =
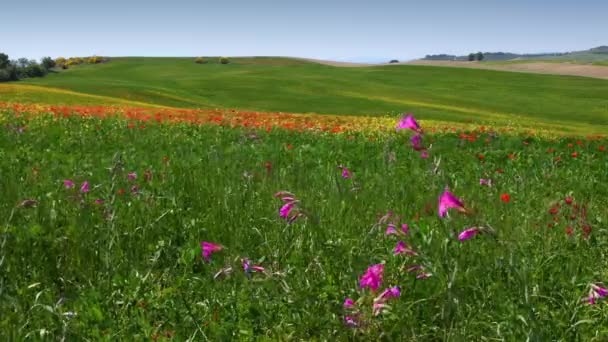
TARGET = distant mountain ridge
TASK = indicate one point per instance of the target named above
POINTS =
(594, 54)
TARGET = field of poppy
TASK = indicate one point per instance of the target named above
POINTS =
(121, 223)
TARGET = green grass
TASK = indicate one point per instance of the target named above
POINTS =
(131, 269)
(288, 85)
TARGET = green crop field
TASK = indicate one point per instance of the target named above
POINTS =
(573, 104)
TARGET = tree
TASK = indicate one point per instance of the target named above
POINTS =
(224, 60)
(479, 56)
(4, 61)
(200, 60)
(471, 57)
(47, 63)
(394, 61)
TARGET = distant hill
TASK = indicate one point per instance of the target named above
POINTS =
(597, 54)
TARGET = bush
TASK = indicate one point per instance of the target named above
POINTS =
(95, 60)
(74, 61)
(200, 60)
(394, 61)
(224, 60)
(60, 61)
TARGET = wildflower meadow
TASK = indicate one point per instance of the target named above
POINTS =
(122, 224)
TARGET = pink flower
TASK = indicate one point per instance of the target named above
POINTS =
(68, 183)
(350, 321)
(487, 182)
(414, 268)
(85, 187)
(468, 233)
(601, 292)
(402, 248)
(248, 268)
(99, 201)
(390, 229)
(135, 189)
(424, 154)
(405, 228)
(423, 275)
(380, 301)
(391, 292)
(447, 200)
(348, 303)
(209, 248)
(132, 176)
(372, 277)
(286, 209)
(408, 122)
(416, 142)
(345, 172)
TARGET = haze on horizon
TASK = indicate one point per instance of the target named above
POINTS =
(339, 30)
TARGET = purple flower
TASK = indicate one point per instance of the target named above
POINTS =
(408, 122)
(286, 209)
(68, 183)
(132, 176)
(209, 248)
(405, 228)
(85, 187)
(348, 303)
(345, 173)
(350, 321)
(416, 142)
(414, 268)
(424, 154)
(391, 292)
(468, 233)
(423, 275)
(248, 268)
(402, 248)
(372, 277)
(135, 189)
(487, 182)
(447, 200)
(390, 229)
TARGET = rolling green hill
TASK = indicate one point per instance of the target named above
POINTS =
(291, 85)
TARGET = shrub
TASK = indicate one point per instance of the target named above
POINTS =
(60, 61)
(94, 60)
(200, 60)
(224, 60)
(74, 61)
(394, 61)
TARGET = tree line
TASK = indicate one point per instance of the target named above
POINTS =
(13, 70)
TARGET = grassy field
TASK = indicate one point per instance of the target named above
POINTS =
(120, 258)
(278, 84)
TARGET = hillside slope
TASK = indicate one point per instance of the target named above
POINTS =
(290, 85)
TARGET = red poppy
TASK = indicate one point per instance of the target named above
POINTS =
(511, 156)
(574, 154)
(568, 200)
(570, 145)
(500, 171)
(602, 148)
(506, 198)
(481, 157)
(569, 231)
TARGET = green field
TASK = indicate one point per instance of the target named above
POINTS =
(573, 104)
(123, 260)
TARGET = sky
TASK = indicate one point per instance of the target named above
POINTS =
(357, 30)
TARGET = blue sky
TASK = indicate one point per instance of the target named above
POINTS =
(343, 30)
